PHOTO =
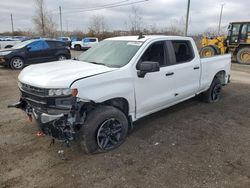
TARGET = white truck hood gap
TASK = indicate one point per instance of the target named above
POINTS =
(59, 74)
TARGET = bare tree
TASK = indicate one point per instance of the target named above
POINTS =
(135, 21)
(211, 32)
(43, 20)
(97, 25)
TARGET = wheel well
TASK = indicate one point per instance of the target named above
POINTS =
(120, 103)
(221, 76)
(61, 54)
(242, 46)
(8, 46)
(18, 57)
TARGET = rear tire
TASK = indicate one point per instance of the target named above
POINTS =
(77, 47)
(16, 63)
(105, 129)
(213, 94)
(208, 51)
(243, 56)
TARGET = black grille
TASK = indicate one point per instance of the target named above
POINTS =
(38, 102)
(34, 90)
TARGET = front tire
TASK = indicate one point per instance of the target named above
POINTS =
(16, 63)
(105, 129)
(213, 94)
(61, 58)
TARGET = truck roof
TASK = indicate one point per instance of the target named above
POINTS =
(147, 37)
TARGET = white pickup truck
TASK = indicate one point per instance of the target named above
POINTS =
(8, 43)
(97, 98)
(84, 44)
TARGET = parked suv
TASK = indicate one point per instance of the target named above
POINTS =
(34, 51)
(84, 44)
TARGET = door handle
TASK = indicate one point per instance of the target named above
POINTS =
(195, 68)
(169, 74)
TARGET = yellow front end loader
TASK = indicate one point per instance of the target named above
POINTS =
(237, 43)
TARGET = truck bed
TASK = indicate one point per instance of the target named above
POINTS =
(209, 66)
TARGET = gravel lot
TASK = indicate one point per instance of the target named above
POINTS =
(192, 144)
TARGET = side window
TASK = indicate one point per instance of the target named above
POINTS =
(244, 31)
(51, 44)
(38, 45)
(183, 51)
(92, 40)
(236, 29)
(60, 44)
(248, 28)
(155, 52)
(86, 40)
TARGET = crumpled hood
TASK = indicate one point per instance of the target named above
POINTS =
(59, 74)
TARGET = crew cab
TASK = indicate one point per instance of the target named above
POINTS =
(97, 98)
(84, 44)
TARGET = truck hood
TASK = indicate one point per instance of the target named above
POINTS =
(59, 74)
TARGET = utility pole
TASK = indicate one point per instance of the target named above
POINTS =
(12, 25)
(221, 10)
(67, 26)
(187, 18)
(60, 10)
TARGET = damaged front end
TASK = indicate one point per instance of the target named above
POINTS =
(58, 112)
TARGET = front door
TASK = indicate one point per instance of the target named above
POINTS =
(37, 52)
(156, 88)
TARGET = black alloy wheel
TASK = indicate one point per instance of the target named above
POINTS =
(109, 134)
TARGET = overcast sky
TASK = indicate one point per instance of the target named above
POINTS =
(157, 13)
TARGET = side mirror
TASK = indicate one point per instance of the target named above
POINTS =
(28, 48)
(146, 67)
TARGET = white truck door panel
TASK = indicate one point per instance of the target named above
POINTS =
(154, 91)
(186, 69)
(187, 77)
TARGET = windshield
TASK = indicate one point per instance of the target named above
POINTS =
(22, 44)
(111, 53)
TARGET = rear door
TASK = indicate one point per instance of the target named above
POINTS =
(185, 67)
(52, 50)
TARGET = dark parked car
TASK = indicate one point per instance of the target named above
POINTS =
(34, 51)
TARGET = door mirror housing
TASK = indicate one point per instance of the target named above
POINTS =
(146, 67)
(28, 48)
